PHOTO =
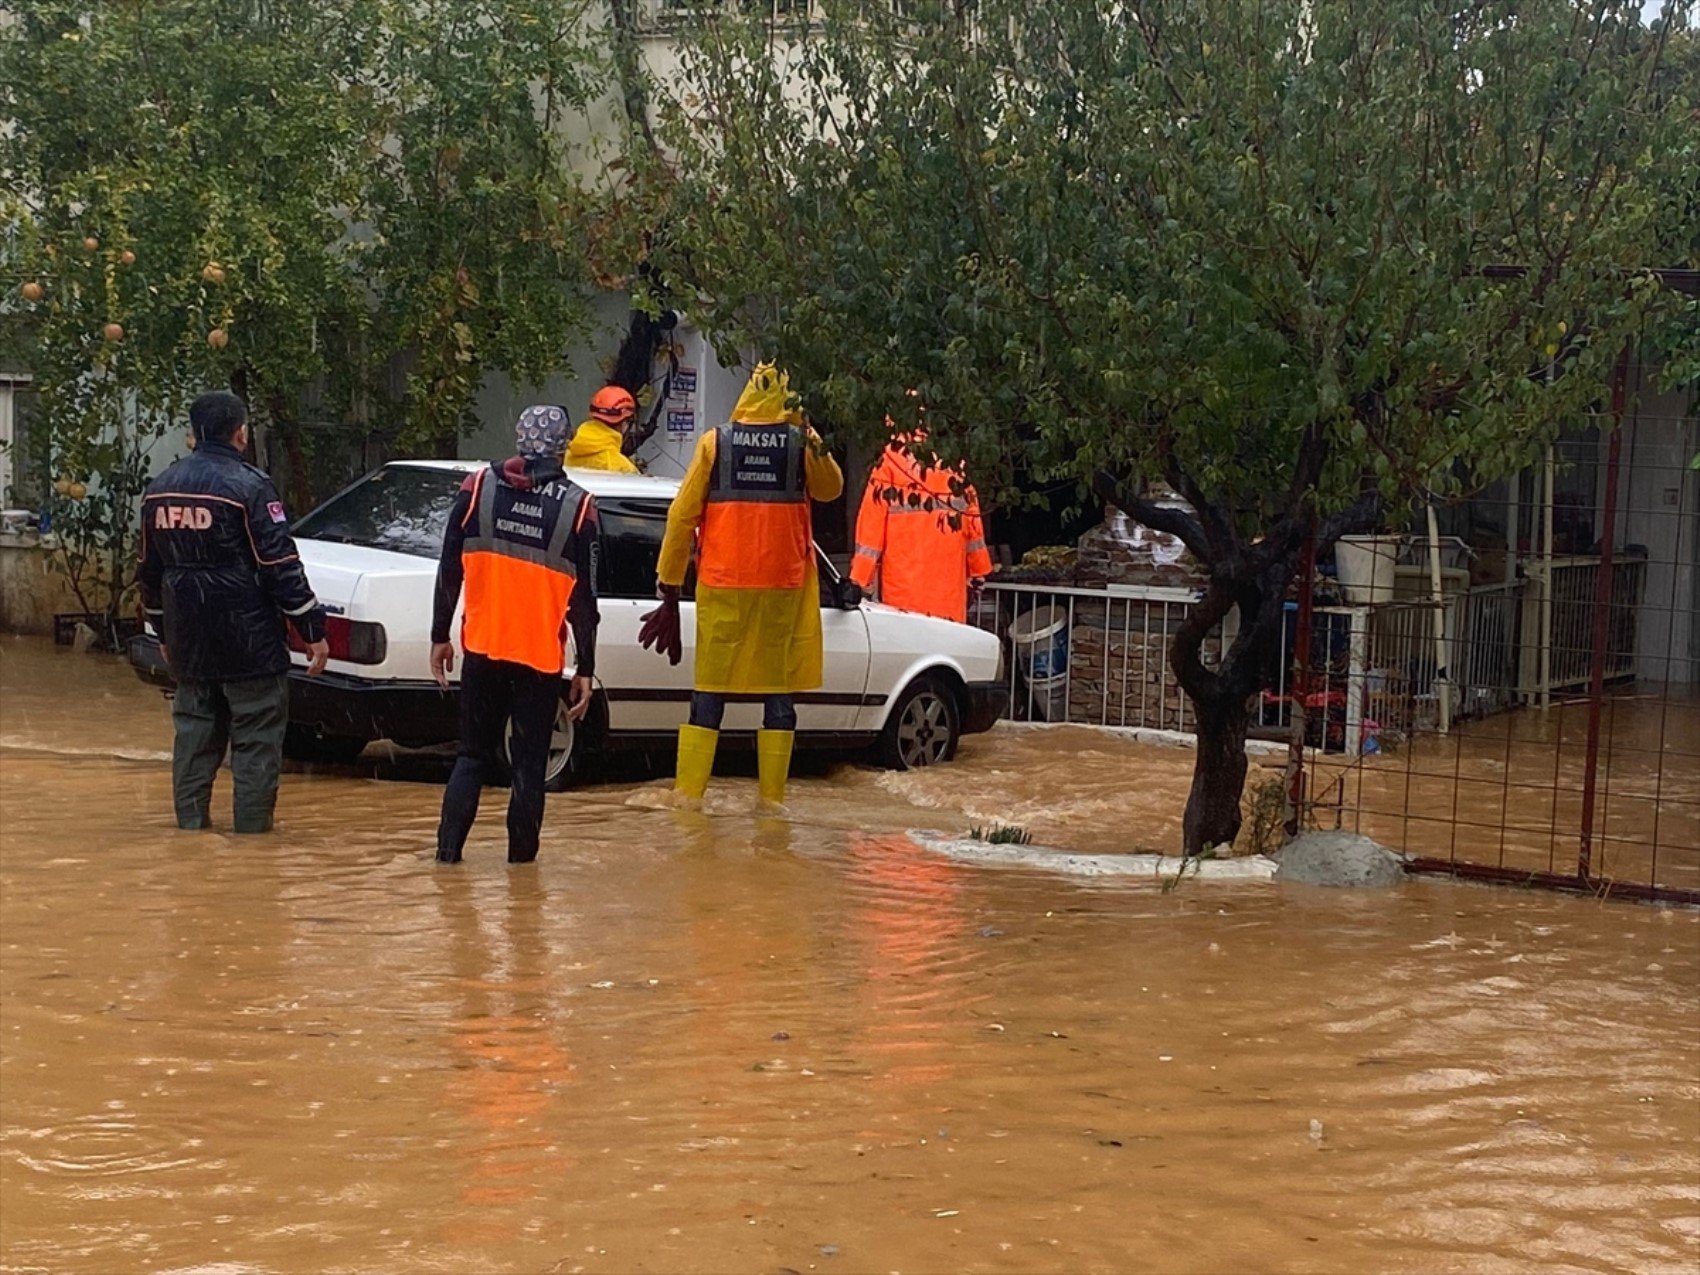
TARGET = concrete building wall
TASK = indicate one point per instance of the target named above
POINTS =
(702, 398)
(1659, 510)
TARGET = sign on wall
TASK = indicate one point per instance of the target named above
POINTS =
(682, 403)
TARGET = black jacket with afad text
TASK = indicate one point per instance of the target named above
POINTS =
(220, 575)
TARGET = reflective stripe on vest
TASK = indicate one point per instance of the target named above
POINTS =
(520, 571)
(756, 532)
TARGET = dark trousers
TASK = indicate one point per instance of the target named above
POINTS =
(247, 717)
(493, 693)
(708, 710)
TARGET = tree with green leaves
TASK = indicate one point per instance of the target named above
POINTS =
(482, 232)
(295, 198)
(172, 175)
(1240, 247)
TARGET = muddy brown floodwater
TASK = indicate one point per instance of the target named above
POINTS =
(704, 1043)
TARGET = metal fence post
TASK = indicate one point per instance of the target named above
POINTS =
(1602, 619)
(1301, 685)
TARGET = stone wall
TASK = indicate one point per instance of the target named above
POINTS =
(1119, 648)
(1118, 551)
(1119, 665)
(31, 591)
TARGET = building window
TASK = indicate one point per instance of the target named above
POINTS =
(661, 14)
(20, 483)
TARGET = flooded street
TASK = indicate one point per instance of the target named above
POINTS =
(710, 1042)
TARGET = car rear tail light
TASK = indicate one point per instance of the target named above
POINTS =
(352, 641)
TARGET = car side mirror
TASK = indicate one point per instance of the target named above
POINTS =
(849, 595)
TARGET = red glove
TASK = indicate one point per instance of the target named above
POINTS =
(659, 630)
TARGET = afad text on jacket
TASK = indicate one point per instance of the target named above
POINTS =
(219, 571)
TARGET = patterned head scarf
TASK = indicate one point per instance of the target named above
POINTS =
(541, 432)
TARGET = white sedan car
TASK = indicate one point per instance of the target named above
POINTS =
(904, 688)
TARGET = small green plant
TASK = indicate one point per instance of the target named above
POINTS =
(1000, 834)
(1264, 826)
(1189, 863)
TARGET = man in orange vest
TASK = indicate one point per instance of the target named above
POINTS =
(745, 505)
(520, 540)
(920, 530)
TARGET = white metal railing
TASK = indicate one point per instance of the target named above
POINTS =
(1099, 657)
(1107, 662)
(1558, 622)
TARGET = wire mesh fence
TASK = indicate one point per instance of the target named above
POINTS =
(1561, 743)
(1527, 709)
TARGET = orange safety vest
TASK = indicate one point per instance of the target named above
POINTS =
(520, 570)
(756, 532)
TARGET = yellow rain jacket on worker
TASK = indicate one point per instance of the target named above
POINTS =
(758, 592)
(598, 446)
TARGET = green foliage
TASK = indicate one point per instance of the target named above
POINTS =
(1675, 336)
(290, 197)
(1300, 259)
(204, 149)
(173, 174)
(1264, 828)
(999, 834)
(1189, 235)
(481, 234)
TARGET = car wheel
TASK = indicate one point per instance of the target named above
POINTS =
(304, 743)
(566, 748)
(923, 728)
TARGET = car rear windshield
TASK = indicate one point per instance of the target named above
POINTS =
(631, 543)
(402, 508)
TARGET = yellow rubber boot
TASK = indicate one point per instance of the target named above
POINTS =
(773, 764)
(696, 761)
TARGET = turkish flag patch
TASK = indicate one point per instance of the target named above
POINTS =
(275, 509)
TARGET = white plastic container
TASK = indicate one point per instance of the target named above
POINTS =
(1040, 637)
(1366, 567)
(1041, 643)
(1454, 553)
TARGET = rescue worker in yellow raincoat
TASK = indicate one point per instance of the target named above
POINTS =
(745, 504)
(920, 529)
(599, 442)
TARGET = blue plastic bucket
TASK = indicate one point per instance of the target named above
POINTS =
(1041, 643)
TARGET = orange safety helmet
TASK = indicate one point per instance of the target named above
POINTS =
(613, 405)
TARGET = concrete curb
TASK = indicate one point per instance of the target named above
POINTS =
(1151, 735)
(1150, 867)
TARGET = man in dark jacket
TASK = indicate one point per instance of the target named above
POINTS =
(521, 542)
(220, 579)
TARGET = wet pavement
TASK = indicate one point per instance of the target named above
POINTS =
(719, 1043)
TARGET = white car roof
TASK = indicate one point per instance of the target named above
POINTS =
(598, 482)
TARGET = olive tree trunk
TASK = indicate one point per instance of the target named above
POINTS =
(1251, 577)
(1218, 777)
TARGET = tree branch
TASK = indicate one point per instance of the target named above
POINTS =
(1188, 641)
(1217, 526)
(1361, 515)
(1174, 522)
(1307, 468)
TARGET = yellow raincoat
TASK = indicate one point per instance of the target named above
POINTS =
(751, 641)
(597, 446)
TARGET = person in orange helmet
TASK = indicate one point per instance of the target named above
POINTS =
(920, 532)
(599, 442)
